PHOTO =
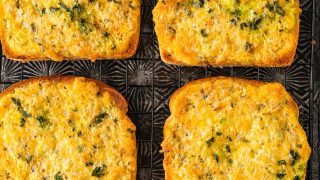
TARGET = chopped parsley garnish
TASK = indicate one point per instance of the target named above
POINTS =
(282, 162)
(228, 148)
(294, 157)
(63, 6)
(299, 145)
(84, 25)
(17, 102)
(210, 141)
(89, 163)
(22, 122)
(218, 133)
(203, 33)
(106, 34)
(216, 157)
(58, 176)
(98, 119)
(43, 122)
(275, 7)
(296, 178)
(54, 9)
(281, 175)
(29, 159)
(25, 114)
(43, 11)
(201, 3)
(98, 171)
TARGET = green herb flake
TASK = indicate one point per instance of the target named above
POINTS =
(236, 13)
(282, 162)
(254, 24)
(216, 157)
(98, 119)
(106, 34)
(98, 171)
(294, 157)
(296, 178)
(83, 24)
(43, 122)
(281, 175)
(43, 11)
(89, 163)
(58, 176)
(80, 148)
(22, 122)
(17, 102)
(210, 141)
(201, 3)
(218, 133)
(203, 33)
(29, 159)
(275, 7)
(227, 148)
(54, 9)
(63, 6)
(299, 145)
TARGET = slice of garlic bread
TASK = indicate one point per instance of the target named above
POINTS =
(227, 32)
(229, 128)
(65, 128)
(69, 29)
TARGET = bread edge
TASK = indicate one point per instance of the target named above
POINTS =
(120, 100)
(166, 160)
(131, 50)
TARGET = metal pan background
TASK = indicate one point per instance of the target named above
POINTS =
(147, 83)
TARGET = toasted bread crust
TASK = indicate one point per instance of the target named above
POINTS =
(175, 102)
(119, 99)
(11, 54)
(199, 81)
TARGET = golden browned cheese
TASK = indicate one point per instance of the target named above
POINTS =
(227, 32)
(69, 29)
(65, 128)
(228, 128)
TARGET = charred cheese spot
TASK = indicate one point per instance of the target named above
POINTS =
(258, 136)
(68, 132)
(215, 32)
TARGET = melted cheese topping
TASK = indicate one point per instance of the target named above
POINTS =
(227, 32)
(64, 131)
(70, 28)
(224, 128)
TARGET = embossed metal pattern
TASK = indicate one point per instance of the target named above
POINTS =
(147, 83)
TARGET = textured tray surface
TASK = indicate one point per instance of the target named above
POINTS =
(147, 83)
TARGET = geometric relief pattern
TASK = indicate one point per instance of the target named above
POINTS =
(148, 83)
(10, 70)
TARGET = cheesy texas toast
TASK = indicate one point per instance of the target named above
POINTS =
(229, 128)
(227, 32)
(65, 128)
(69, 29)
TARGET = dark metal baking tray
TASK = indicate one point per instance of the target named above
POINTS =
(147, 83)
